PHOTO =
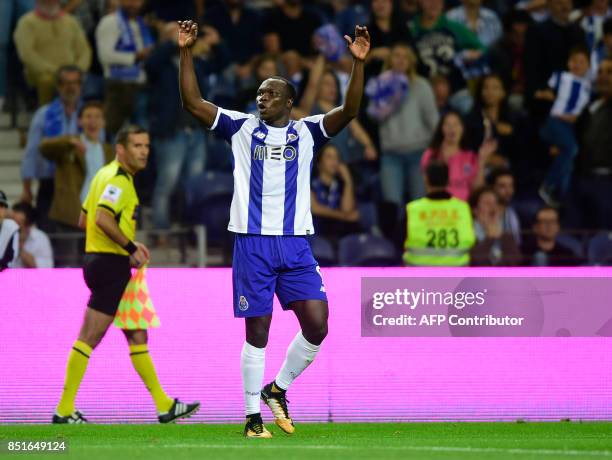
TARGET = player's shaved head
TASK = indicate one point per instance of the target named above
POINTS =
(290, 90)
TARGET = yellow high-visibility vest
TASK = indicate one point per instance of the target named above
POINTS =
(439, 232)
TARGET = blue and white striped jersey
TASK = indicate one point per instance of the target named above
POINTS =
(573, 93)
(272, 169)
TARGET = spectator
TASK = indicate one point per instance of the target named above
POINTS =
(442, 92)
(592, 206)
(77, 158)
(290, 27)
(405, 134)
(87, 12)
(502, 182)
(124, 41)
(181, 10)
(9, 9)
(573, 92)
(543, 249)
(592, 19)
(441, 44)
(47, 39)
(9, 236)
(332, 197)
(506, 56)
(547, 47)
(495, 245)
(603, 48)
(466, 168)
(58, 118)
(264, 66)
(34, 246)
(409, 8)
(240, 28)
(346, 14)
(439, 226)
(482, 21)
(387, 27)
(353, 142)
(179, 141)
(492, 119)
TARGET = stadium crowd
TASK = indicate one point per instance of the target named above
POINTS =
(491, 118)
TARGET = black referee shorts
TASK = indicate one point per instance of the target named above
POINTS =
(106, 276)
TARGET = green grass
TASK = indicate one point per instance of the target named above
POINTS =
(423, 441)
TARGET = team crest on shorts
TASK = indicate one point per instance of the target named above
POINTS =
(243, 304)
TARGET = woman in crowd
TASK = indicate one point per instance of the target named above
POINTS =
(332, 196)
(495, 245)
(465, 167)
(491, 118)
(405, 134)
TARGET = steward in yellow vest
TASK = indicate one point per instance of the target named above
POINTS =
(439, 227)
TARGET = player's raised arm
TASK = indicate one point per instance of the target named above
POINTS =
(339, 117)
(190, 91)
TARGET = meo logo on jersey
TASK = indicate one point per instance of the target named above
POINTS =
(243, 304)
(267, 152)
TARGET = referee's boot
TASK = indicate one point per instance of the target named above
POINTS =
(275, 399)
(177, 411)
(75, 417)
(255, 428)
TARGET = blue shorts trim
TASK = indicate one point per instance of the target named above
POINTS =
(267, 265)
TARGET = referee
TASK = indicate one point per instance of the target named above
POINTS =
(109, 218)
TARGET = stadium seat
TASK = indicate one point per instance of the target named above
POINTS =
(363, 250)
(323, 251)
(600, 249)
(208, 199)
(572, 243)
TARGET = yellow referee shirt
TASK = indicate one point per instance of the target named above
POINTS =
(112, 189)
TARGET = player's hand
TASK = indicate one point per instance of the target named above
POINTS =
(187, 34)
(141, 256)
(360, 47)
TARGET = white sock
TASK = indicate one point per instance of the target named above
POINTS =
(252, 364)
(299, 356)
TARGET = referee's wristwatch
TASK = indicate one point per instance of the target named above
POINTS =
(130, 247)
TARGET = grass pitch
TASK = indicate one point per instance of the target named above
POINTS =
(423, 441)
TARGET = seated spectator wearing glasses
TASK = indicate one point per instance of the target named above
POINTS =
(543, 249)
(495, 245)
(332, 197)
(502, 182)
(439, 228)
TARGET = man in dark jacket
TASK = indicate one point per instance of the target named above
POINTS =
(591, 204)
(179, 142)
(546, 50)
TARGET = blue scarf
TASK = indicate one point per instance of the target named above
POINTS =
(54, 119)
(127, 44)
(329, 42)
(386, 92)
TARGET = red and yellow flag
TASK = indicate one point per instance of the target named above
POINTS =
(136, 310)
